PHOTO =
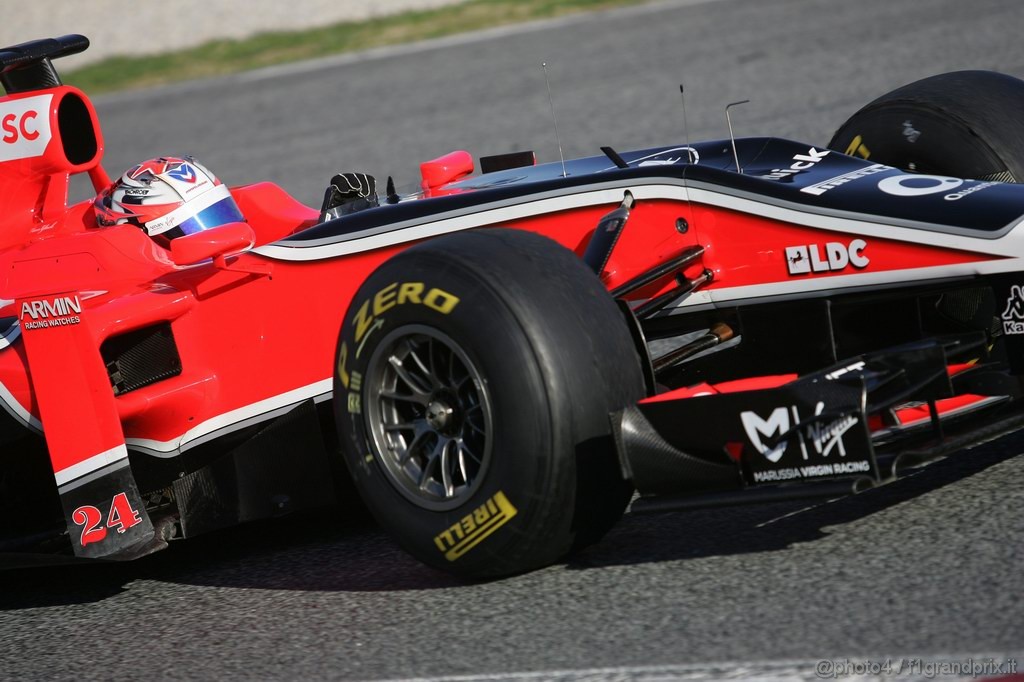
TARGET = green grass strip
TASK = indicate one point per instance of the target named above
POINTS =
(230, 56)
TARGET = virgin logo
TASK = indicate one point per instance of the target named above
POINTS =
(24, 127)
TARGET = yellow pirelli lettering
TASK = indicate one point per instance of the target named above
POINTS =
(363, 320)
(444, 540)
(384, 299)
(475, 527)
(440, 300)
(342, 359)
(410, 292)
(857, 147)
(400, 293)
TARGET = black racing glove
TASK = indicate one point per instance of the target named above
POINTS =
(348, 193)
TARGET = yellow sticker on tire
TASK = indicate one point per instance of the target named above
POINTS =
(474, 528)
(400, 293)
(857, 148)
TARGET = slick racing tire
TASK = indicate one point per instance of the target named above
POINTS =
(474, 378)
(966, 124)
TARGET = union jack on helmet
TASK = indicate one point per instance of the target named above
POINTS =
(167, 197)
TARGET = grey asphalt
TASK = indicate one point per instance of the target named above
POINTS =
(927, 567)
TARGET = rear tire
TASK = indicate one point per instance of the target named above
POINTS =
(476, 374)
(966, 124)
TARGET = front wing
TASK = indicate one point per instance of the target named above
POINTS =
(847, 428)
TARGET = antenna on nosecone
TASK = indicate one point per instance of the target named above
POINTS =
(686, 128)
(732, 138)
(554, 119)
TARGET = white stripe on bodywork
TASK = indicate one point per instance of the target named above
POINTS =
(416, 230)
(1011, 243)
(201, 433)
(7, 400)
(11, 335)
(234, 420)
(111, 456)
(15, 409)
(871, 280)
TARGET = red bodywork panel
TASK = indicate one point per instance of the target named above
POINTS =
(257, 334)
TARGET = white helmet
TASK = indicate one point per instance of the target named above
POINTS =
(167, 197)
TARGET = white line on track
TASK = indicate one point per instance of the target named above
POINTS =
(905, 668)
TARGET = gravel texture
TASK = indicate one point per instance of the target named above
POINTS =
(162, 26)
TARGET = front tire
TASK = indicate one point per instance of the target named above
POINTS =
(965, 124)
(476, 373)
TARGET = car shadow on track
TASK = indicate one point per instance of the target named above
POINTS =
(308, 552)
(343, 550)
(642, 538)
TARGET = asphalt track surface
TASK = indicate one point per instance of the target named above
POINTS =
(928, 567)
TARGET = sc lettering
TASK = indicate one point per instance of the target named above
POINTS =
(12, 127)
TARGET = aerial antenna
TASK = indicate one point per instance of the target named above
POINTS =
(554, 119)
(686, 128)
(732, 137)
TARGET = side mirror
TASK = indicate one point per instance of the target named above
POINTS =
(218, 241)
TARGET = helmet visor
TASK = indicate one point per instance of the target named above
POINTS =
(209, 209)
(220, 213)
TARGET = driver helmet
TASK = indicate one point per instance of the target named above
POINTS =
(167, 197)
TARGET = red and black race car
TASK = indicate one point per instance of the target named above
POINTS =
(501, 359)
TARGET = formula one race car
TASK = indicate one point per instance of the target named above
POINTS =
(501, 359)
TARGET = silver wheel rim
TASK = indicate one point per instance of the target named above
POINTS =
(429, 417)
